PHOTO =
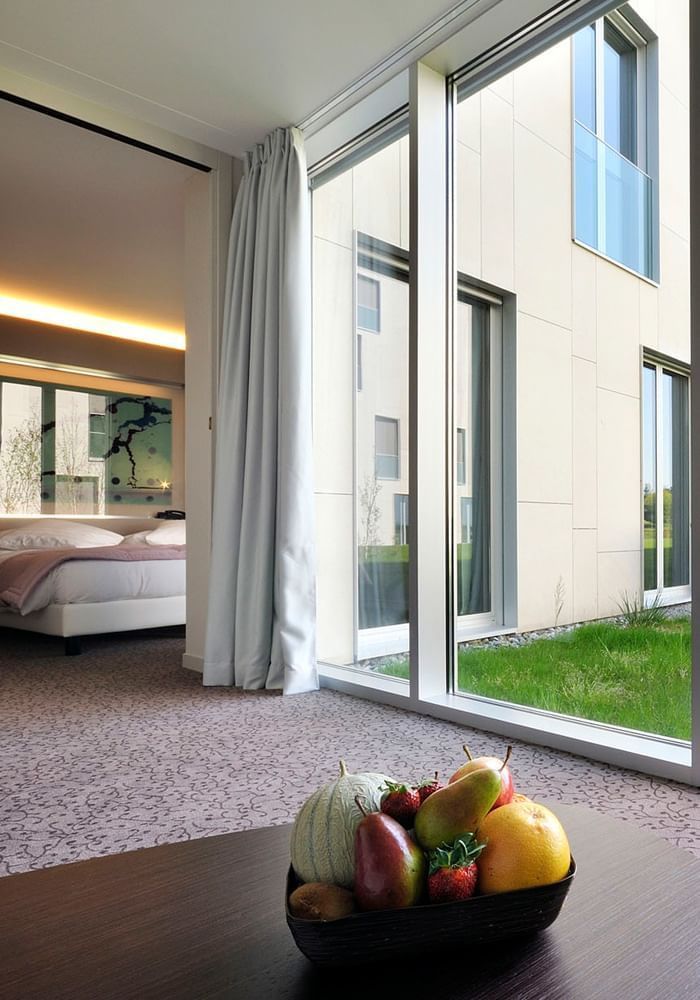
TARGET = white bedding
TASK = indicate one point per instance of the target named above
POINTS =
(93, 582)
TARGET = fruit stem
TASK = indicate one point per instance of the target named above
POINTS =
(358, 803)
(509, 751)
(343, 769)
(467, 752)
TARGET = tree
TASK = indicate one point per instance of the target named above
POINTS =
(370, 513)
(20, 469)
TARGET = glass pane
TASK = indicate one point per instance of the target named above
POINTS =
(587, 429)
(472, 406)
(360, 253)
(620, 92)
(20, 449)
(80, 482)
(586, 185)
(584, 77)
(649, 498)
(368, 316)
(613, 203)
(676, 482)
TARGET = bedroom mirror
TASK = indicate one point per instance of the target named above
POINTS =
(101, 449)
(67, 451)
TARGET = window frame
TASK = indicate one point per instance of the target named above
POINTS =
(375, 310)
(401, 518)
(101, 455)
(661, 363)
(630, 26)
(396, 422)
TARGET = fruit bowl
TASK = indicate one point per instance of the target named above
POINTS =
(381, 935)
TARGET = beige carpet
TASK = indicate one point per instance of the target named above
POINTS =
(121, 748)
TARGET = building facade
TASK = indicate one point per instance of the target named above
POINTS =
(570, 349)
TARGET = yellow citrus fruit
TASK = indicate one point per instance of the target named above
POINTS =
(525, 846)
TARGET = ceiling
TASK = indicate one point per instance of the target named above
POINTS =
(221, 72)
(89, 223)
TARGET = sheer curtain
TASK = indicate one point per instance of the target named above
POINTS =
(261, 612)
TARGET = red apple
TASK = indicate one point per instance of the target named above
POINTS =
(474, 763)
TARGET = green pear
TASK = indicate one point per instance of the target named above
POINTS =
(457, 808)
(390, 867)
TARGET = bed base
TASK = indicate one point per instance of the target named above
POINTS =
(72, 621)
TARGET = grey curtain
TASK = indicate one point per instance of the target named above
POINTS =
(261, 613)
(678, 573)
(479, 599)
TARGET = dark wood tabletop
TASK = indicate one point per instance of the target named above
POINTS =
(205, 918)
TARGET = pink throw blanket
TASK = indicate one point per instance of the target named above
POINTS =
(23, 572)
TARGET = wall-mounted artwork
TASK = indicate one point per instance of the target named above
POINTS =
(139, 450)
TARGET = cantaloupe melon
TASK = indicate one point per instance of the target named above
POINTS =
(323, 836)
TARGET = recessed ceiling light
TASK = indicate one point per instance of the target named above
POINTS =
(40, 312)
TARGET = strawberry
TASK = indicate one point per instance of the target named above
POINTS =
(400, 802)
(453, 874)
(427, 787)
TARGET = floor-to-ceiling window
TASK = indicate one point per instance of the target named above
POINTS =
(361, 425)
(562, 266)
(536, 217)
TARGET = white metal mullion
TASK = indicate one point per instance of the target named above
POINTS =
(496, 458)
(659, 483)
(600, 130)
(355, 458)
(428, 613)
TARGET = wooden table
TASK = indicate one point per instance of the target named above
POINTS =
(205, 918)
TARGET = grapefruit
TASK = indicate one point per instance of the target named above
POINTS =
(526, 846)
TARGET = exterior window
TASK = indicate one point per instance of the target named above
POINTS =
(461, 456)
(401, 518)
(665, 478)
(368, 304)
(612, 138)
(98, 428)
(465, 506)
(473, 406)
(386, 448)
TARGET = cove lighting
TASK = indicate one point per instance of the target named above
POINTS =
(71, 318)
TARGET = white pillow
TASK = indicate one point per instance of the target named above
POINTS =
(169, 533)
(135, 539)
(57, 534)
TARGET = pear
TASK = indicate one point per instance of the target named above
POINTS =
(457, 808)
(474, 763)
(390, 867)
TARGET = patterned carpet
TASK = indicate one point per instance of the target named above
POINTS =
(121, 748)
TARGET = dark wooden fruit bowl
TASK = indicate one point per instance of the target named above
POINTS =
(381, 935)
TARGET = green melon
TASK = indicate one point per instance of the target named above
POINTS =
(323, 836)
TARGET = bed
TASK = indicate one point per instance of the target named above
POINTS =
(103, 592)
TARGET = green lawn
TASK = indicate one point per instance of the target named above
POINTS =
(636, 676)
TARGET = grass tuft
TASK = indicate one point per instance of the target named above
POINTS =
(634, 612)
